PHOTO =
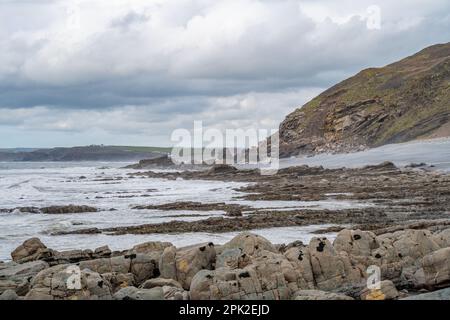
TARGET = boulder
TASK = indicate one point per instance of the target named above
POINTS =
(270, 276)
(442, 238)
(119, 280)
(436, 267)
(182, 265)
(9, 295)
(387, 291)
(356, 242)
(142, 266)
(175, 293)
(68, 282)
(133, 293)
(319, 295)
(330, 269)
(32, 249)
(17, 277)
(249, 244)
(443, 294)
(160, 282)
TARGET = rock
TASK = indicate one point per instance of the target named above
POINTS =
(442, 238)
(182, 265)
(119, 280)
(142, 266)
(436, 268)
(330, 269)
(160, 282)
(221, 168)
(174, 293)
(132, 293)
(234, 212)
(319, 295)
(443, 294)
(9, 295)
(270, 276)
(249, 244)
(387, 291)
(31, 249)
(103, 251)
(356, 242)
(232, 259)
(151, 246)
(300, 258)
(68, 209)
(17, 277)
(68, 282)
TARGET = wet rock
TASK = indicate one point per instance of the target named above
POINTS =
(182, 265)
(68, 209)
(319, 295)
(436, 268)
(132, 293)
(68, 282)
(387, 291)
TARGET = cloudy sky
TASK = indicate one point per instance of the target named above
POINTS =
(129, 72)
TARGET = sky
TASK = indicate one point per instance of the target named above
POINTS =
(130, 72)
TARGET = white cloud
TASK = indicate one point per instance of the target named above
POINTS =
(125, 65)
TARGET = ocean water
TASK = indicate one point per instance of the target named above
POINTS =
(106, 186)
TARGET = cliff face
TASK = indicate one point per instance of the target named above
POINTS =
(406, 100)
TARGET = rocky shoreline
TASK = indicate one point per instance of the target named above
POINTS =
(411, 263)
(379, 197)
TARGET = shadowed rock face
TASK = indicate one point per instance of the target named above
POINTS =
(403, 101)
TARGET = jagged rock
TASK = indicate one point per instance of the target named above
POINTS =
(319, 295)
(142, 266)
(436, 267)
(119, 280)
(387, 291)
(232, 258)
(101, 252)
(183, 264)
(17, 277)
(249, 244)
(150, 247)
(175, 293)
(31, 249)
(132, 293)
(9, 295)
(68, 282)
(300, 258)
(160, 282)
